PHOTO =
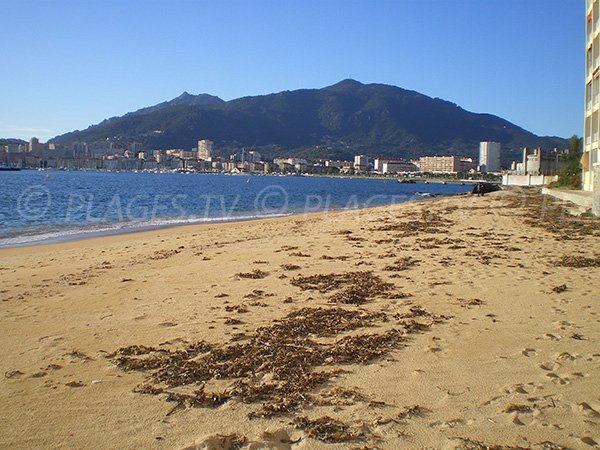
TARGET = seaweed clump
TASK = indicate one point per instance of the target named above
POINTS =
(328, 429)
(354, 287)
(279, 367)
(576, 261)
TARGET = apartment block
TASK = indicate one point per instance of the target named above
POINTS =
(590, 160)
(489, 156)
(439, 164)
(205, 149)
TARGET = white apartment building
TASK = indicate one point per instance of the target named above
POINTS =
(205, 149)
(361, 162)
(385, 166)
(590, 160)
(489, 156)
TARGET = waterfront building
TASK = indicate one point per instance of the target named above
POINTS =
(439, 164)
(361, 162)
(384, 166)
(489, 156)
(337, 164)
(205, 150)
(537, 168)
(13, 148)
(35, 148)
(467, 164)
(187, 154)
(590, 160)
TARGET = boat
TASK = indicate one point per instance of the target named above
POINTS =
(9, 169)
(407, 181)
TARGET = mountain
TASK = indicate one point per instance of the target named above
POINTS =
(337, 121)
(6, 141)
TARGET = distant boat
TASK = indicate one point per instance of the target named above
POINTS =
(407, 181)
(9, 169)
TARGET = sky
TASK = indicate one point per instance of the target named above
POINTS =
(67, 64)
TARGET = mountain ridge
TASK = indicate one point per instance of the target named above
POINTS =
(335, 121)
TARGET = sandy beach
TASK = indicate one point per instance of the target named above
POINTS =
(460, 322)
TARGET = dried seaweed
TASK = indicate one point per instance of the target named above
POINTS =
(358, 287)
(513, 407)
(300, 255)
(429, 223)
(470, 444)
(578, 261)
(559, 289)
(411, 411)
(276, 366)
(232, 321)
(255, 274)
(237, 308)
(328, 429)
(551, 214)
(257, 294)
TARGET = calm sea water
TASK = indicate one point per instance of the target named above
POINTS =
(47, 206)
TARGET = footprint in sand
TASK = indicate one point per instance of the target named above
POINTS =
(525, 389)
(550, 366)
(528, 352)
(447, 424)
(556, 379)
(585, 409)
(565, 356)
(563, 324)
(552, 337)
(589, 441)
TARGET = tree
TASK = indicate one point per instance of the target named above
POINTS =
(570, 174)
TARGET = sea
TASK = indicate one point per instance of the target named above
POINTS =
(55, 206)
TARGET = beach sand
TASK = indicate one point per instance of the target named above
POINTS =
(487, 337)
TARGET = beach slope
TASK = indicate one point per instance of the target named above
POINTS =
(460, 322)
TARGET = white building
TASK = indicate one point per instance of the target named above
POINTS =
(361, 162)
(489, 156)
(590, 160)
(337, 163)
(384, 166)
(205, 149)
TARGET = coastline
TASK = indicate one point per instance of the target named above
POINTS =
(126, 228)
(494, 349)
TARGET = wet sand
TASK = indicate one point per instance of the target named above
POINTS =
(462, 322)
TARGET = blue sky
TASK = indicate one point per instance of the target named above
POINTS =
(68, 64)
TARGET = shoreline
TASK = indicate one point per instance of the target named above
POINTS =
(462, 322)
(79, 235)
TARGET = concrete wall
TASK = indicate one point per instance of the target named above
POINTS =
(580, 198)
(596, 192)
(527, 180)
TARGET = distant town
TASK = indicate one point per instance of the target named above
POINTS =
(536, 168)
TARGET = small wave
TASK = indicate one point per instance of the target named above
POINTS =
(71, 234)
